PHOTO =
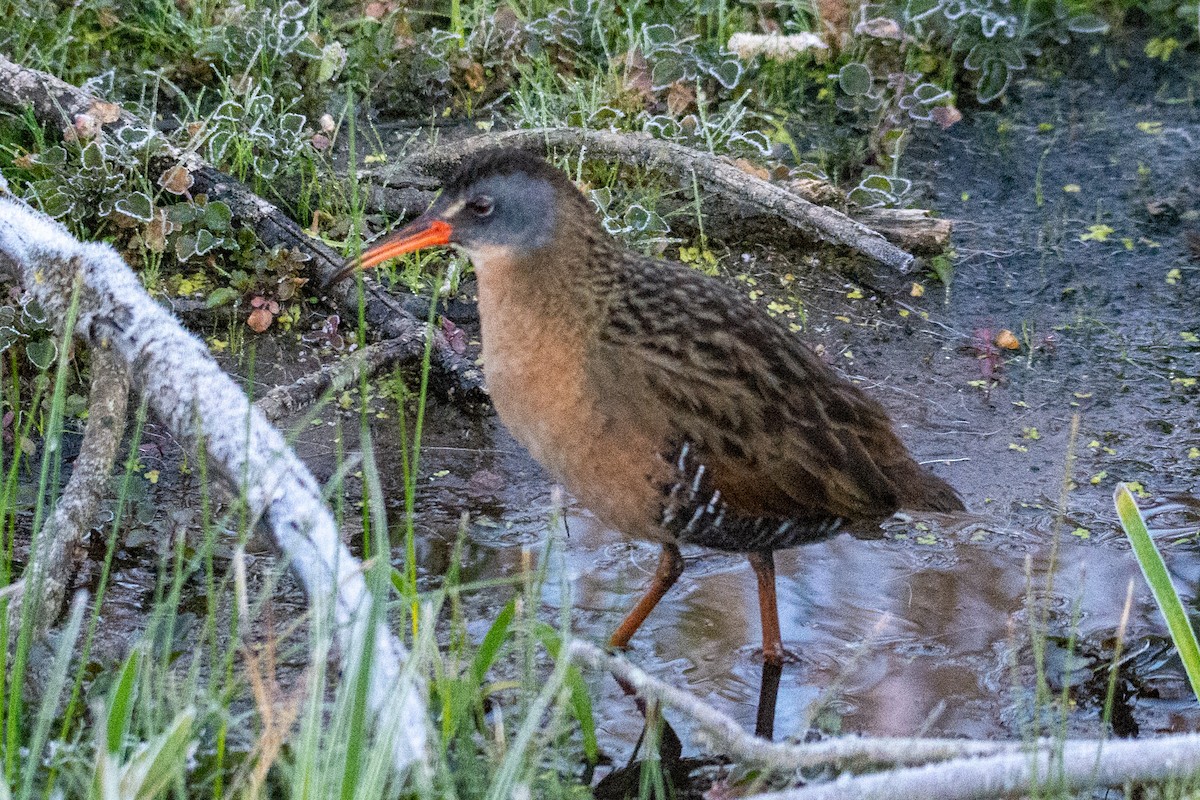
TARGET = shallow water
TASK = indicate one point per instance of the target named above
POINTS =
(923, 626)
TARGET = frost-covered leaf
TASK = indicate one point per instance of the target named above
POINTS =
(133, 137)
(205, 241)
(1087, 23)
(855, 79)
(136, 205)
(41, 353)
(993, 80)
(92, 157)
(217, 216)
(176, 180)
(8, 337)
(54, 156)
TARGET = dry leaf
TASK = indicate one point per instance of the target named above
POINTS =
(105, 112)
(259, 320)
(746, 165)
(176, 180)
(455, 336)
(917, 290)
(157, 230)
(475, 77)
(681, 97)
(945, 116)
(636, 76)
(85, 128)
(880, 28)
(1007, 340)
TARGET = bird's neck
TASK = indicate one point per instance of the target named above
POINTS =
(561, 283)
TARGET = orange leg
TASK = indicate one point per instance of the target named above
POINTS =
(670, 567)
(764, 568)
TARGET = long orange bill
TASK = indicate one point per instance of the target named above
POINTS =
(421, 233)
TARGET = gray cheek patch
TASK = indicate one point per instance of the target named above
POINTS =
(525, 211)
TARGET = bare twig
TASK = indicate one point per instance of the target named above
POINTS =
(200, 404)
(57, 103)
(284, 400)
(59, 546)
(714, 174)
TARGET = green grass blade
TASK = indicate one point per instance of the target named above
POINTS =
(120, 706)
(1151, 562)
(489, 648)
(156, 766)
(52, 693)
(581, 701)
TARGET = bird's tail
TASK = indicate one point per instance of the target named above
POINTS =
(921, 490)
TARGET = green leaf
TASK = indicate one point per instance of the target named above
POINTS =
(217, 216)
(1087, 23)
(1151, 562)
(154, 768)
(221, 297)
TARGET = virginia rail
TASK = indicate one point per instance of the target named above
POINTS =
(666, 402)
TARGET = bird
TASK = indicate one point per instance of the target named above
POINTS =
(666, 402)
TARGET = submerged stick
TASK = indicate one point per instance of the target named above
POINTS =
(201, 405)
(335, 376)
(932, 769)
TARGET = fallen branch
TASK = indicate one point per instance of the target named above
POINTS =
(59, 545)
(1080, 766)
(284, 400)
(914, 229)
(713, 173)
(726, 735)
(967, 769)
(201, 405)
(57, 103)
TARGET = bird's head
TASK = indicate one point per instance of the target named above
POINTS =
(502, 205)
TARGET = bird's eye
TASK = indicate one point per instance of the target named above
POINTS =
(482, 205)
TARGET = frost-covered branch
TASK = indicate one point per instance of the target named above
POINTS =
(932, 769)
(200, 404)
(59, 546)
(1077, 766)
